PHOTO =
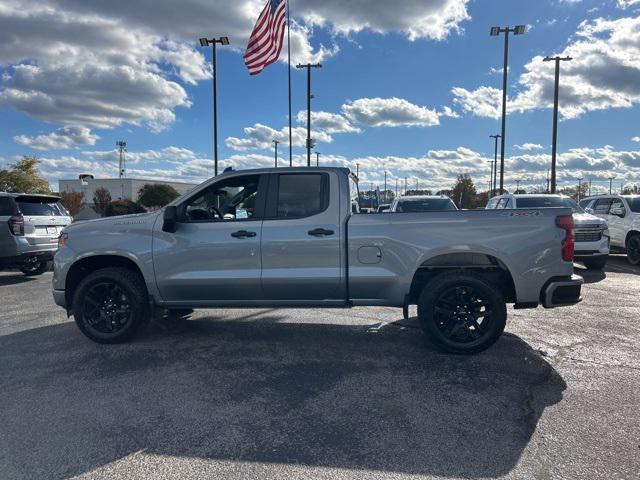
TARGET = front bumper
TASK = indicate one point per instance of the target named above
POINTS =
(562, 291)
(60, 298)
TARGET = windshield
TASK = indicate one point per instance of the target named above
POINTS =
(40, 207)
(425, 205)
(634, 204)
(548, 202)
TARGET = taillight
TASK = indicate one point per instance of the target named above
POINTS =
(568, 244)
(16, 225)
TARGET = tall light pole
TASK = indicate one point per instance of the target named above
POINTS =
(579, 187)
(358, 170)
(495, 31)
(405, 185)
(490, 162)
(310, 142)
(205, 42)
(495, 160)
(385, 186)
(517, 186)
(611, 179)
(318, 159)
(554, 139)
(275, 144)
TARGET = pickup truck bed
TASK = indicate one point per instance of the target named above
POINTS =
(293, 237)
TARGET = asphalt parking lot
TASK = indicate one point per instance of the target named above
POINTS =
(315, 394)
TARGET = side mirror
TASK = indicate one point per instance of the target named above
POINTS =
(170, 219)
(589, 210)
(618, 211)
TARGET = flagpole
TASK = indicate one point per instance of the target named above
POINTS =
(289, 66)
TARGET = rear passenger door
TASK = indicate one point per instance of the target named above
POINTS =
(301, 232)
(617, 228)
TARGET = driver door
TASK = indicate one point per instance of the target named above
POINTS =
(214, 255)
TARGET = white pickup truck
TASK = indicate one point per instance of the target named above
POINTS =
(293, 237)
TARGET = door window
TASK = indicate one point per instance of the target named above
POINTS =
(234, 199)
(504, 203)
(602, 206)
(302, 195)
(618, 204)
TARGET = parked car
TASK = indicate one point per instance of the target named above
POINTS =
(384, 207)
(287, 237)
(29, 228)
(592, 235)
(422, 203)
(622, 213)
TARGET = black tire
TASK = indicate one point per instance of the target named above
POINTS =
(33, 269)
(477, 309)
(595, 263)
(110, 305)
(633, 249)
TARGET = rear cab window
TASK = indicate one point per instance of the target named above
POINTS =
(491, 204)
(301, 195)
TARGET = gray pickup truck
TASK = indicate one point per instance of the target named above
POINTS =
(293, 237)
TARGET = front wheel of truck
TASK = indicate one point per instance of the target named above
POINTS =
(110, 305)
(462, 312)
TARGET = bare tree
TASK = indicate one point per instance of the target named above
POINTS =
(101, 198)
(72, 201)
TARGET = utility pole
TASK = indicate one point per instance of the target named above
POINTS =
(495, 161)
(405, 185)
(517, 185)
(122, 145)
(554, 139)
(495, 31)
(318, 159)
(275, 143)
(589, 187)
(310, 142)
(358, 170)
(205, 42)
(396, 187)
(611, 179)
(579, 187)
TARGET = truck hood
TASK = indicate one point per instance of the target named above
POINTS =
(582, 219)
(122, 220)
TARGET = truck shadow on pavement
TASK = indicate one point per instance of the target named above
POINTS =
(260, 390)
(18, 278)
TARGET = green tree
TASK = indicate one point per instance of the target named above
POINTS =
(101, 198)
(464, 192)
(157, 195)
(122, 207)
(23, 177)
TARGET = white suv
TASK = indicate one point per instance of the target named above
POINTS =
(592, 235)
(622, 213)
(29, 228)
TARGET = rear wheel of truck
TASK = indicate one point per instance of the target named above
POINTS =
(633, 249)
(31, 269)
(462, 312)
(110, 305)
(595, 263)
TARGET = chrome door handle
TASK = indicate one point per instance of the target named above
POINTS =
(243, 234)
(320, 232)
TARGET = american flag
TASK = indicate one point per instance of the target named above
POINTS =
(265, 42)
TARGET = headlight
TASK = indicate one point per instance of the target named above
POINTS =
(62, 239)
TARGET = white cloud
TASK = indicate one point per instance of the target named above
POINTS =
(628, 3)
(62, 138)
(529, 146)
(389, 112)
(636, 139)
(261, 136)
(483, 102)
(604, 73)
(328, 122)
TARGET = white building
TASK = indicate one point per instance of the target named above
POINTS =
(119, 188)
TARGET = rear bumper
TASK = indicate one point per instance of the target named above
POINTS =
(35, 256)
(562, 291)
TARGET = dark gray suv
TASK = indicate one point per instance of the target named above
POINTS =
(29, 228)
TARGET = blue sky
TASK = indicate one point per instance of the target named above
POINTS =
(412, 87)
